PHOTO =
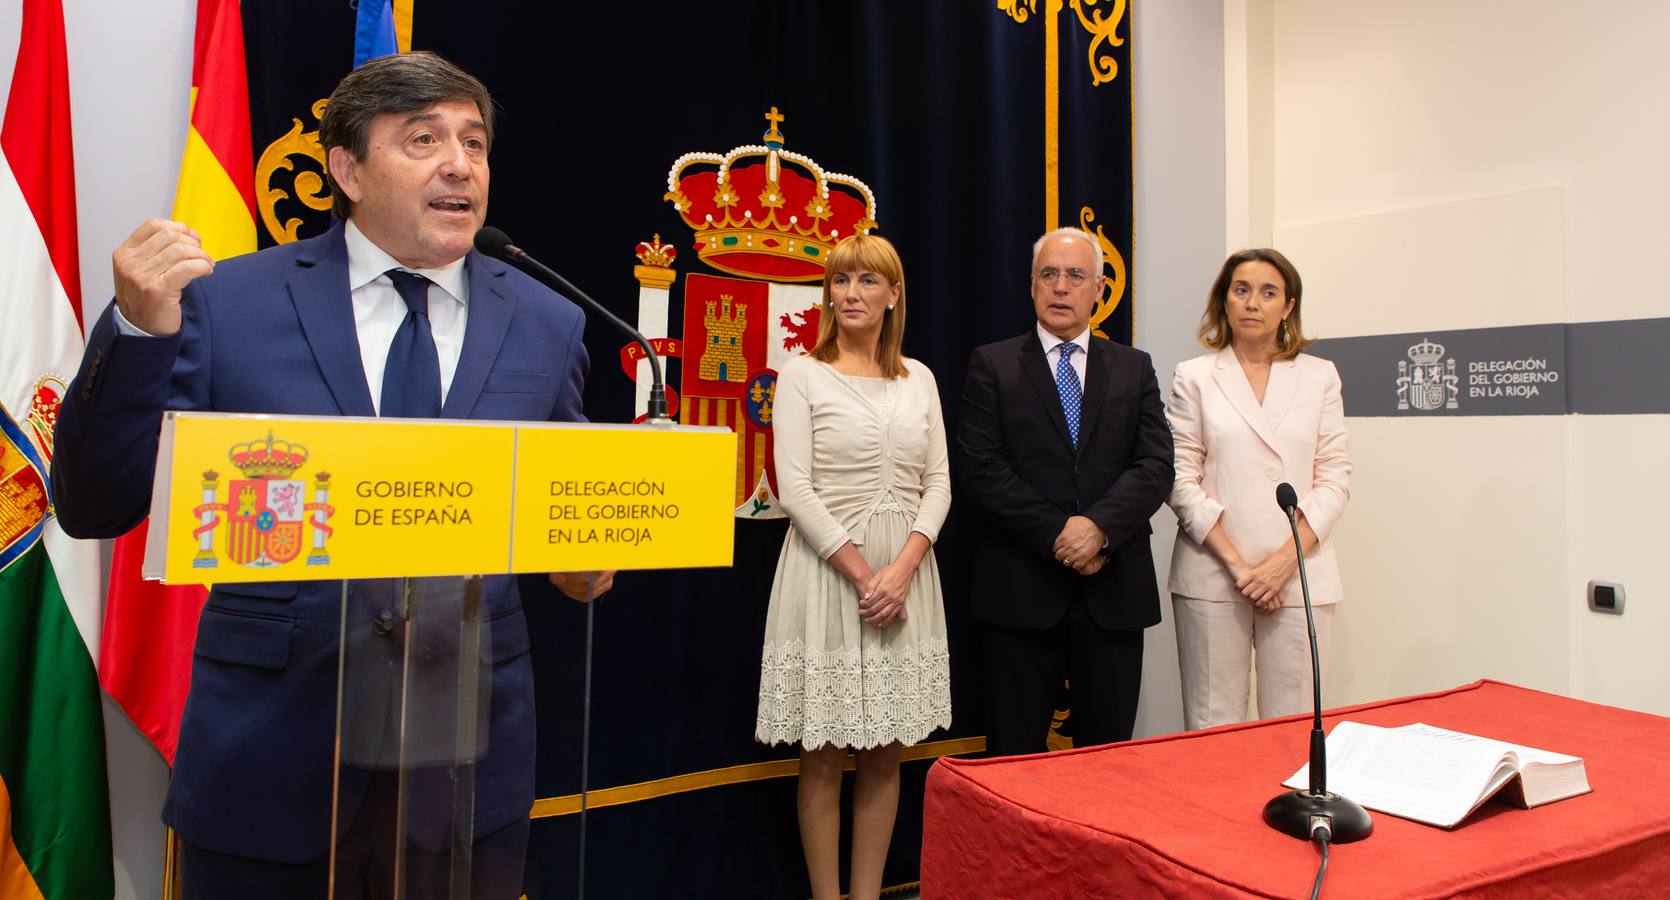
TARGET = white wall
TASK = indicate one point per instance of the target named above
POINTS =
(1494, 162)
(1179, 160)
(1457, 527)
(130, 84)
(1249, 138)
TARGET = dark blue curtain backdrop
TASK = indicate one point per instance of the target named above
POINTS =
(939, 106)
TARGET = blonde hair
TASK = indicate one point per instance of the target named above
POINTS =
(1215, 331)
(866, 253)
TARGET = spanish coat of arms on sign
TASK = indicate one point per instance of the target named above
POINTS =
(1431, 383)
(268, 512)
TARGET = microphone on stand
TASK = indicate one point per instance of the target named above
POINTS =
(495, 243)
(1303, 813)
(492, 242)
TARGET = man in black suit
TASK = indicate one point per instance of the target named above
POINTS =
(1067, 454)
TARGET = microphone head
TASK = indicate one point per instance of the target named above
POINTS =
(493, 242)
(1286, 497)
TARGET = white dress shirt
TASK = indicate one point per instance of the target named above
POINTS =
(378, 309)
(1052, 351)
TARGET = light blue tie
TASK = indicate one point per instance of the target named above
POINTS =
(412, 378)
(1072, 395)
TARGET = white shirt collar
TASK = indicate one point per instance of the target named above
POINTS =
(367, 262)
(1050, 341)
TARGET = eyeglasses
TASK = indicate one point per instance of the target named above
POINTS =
(1075, 277)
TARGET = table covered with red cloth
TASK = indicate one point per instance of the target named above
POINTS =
(1180, 815)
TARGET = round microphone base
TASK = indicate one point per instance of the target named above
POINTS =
(1291, 814)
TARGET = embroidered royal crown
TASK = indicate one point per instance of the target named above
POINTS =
(1426, 353)
(766, 212)
(654, 253)
(267, 458)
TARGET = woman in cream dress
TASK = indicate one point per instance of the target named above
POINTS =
(855, 653)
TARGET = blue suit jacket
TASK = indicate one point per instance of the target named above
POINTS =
(273, 332)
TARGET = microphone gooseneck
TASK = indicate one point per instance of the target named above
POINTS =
(494, 242)
(1288, 500)
(1297, 813)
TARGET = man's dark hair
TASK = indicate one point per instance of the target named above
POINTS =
(402, 83)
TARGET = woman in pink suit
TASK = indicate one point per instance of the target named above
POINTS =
(1255, 412)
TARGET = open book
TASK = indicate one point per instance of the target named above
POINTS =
(1437, 776)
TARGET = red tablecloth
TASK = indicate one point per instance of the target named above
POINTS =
(1180, 815)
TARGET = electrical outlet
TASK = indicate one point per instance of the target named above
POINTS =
(1606, 597)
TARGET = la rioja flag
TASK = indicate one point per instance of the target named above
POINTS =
(54, 800)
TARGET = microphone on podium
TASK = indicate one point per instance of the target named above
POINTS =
(493, 242)
(1304, 813)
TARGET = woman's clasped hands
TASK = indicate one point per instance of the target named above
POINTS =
(1262, 584)
(881, 603)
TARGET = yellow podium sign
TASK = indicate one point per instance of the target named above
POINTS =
(631, 494)
(265, 498)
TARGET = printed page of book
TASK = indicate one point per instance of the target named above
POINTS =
(1526, 755)
(1545, 776)
(1437, 778)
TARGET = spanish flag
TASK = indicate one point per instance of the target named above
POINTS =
(54, 799)
(149, 629)
(216, 192)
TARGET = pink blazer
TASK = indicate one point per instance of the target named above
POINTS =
(1231, 454)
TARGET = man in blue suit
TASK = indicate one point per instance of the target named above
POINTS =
(389, 313)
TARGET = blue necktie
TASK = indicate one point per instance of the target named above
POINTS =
(1072, 396)
(412, 377)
